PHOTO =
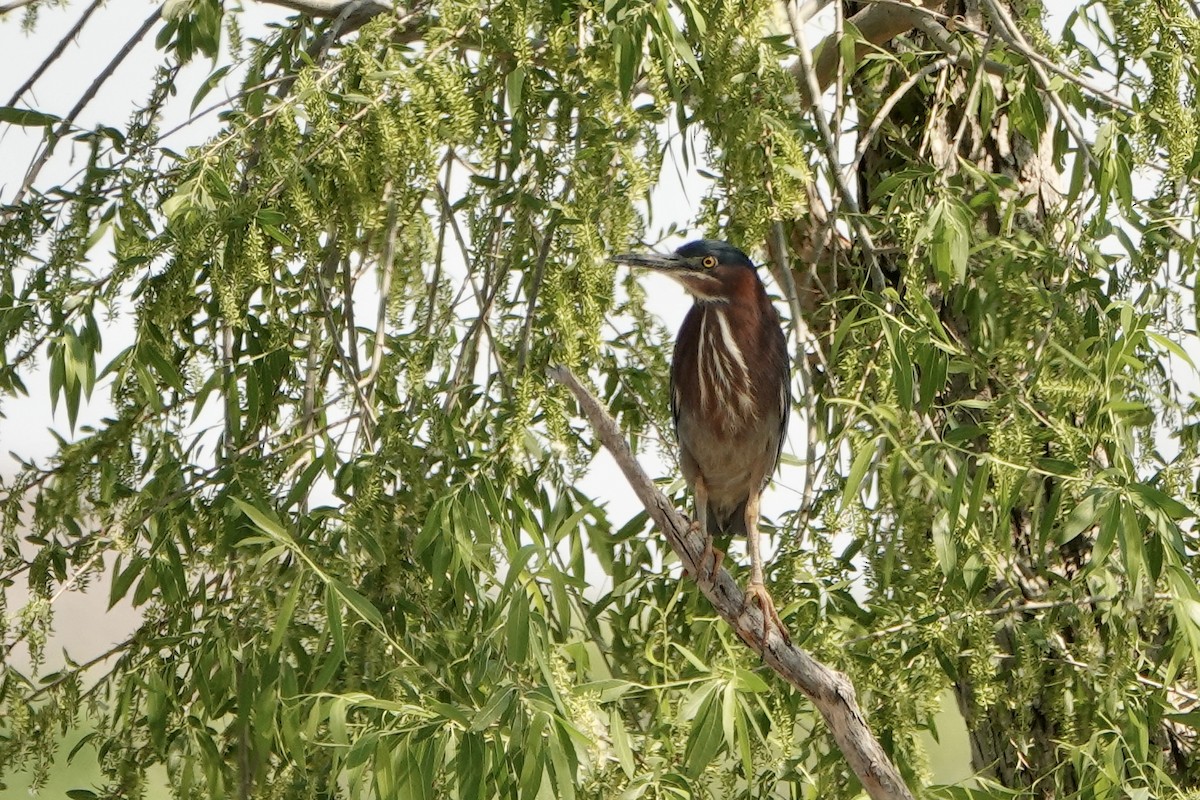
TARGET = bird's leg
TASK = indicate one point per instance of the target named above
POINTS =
(710, 559)
(756, 591)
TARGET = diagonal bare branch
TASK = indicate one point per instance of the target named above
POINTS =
(831, 150)
(830, 691)
(68, 121)
(56, 52)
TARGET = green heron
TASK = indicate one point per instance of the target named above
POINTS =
(730, 394)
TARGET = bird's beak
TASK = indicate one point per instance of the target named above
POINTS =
(669, 263)
(698, 282)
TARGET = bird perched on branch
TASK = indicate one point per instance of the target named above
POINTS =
(730, 395)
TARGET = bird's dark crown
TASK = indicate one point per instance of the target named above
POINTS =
(725, 252)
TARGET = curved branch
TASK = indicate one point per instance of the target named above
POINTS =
(830, 691)
(878, 25)
(322, 9)
(14, 5)
(831, 150)
(884, 20)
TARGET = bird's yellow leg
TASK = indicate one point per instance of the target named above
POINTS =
(710, 559)
(756, 591)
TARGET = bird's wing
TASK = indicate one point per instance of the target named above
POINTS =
(785, 398)
(675, 405)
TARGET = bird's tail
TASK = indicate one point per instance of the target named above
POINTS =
(732, 522)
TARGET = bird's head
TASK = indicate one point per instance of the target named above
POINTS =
(712, 271)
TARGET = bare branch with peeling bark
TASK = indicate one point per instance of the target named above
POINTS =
(830, 691)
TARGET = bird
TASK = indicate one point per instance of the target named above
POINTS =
(730, 396)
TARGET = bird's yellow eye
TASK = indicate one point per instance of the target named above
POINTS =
(709, 262)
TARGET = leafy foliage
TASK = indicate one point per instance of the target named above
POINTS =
(340, 491)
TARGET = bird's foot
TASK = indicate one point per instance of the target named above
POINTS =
(710, 559)
(757, 594)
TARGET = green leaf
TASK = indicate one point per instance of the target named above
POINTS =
(27, 118)
(124, 578)
(748, 681)
(495, 707)
(514, 85)
(1110, 524)
(165, 369)
(979, 486)
(1133, 548)
(517, 628)
(338, 731)
(627, 55)
(1172, 347)
(744, 750)
(610, 689)
(333, 613)
(729, 708)
(264, 520)
(705, 736)
(954, 505)
(1082, 517)
(564, 772)
(858, 471)
(620, 742)
(944, 545)
(363, 607)
(209, 83)
(534, 757)
(695, 660)
(83, 742)
(848, 46)
(1146, 495)
(284, 617)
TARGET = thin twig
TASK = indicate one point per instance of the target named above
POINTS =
(1017, 606)
(69, 120)
(810, 8)
(840, 83)
(66, 586)
(830, 691)
(808, 395)
(385, 290)
(865, 140)
(321, 9)
(539, 273)
(56, 52)
(877, 25)
(349, 361)
(480, 326)
(1013, 36)
(1142, 679)
(66, 675)
(1026, 51)
(831, 151)
(972, 96)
